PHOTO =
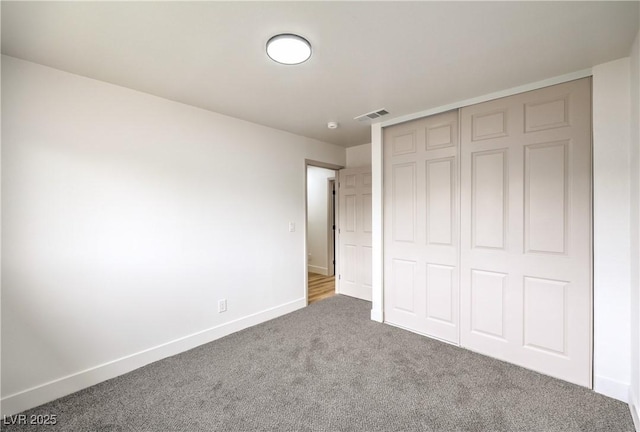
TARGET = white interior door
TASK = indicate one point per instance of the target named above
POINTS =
(526, 230)
(354, 233)
(421, 226)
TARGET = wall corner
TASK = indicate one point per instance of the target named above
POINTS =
(377, 297)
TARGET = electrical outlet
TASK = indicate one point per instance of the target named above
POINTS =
(222, 305)
(292, 227)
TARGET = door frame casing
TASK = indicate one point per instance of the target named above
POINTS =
(331, 226)
(319, 164)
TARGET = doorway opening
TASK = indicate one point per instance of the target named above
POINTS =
(321, 230)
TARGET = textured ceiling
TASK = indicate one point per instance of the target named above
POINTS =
(402, 56)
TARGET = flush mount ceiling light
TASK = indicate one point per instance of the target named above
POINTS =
(289, 49)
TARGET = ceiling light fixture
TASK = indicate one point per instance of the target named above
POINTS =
(289, 49)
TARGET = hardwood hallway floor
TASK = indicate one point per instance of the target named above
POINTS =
(320, 287)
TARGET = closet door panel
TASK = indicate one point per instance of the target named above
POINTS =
(421, 226)
(526, 214)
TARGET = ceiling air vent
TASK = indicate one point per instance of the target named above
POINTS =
(372, 115)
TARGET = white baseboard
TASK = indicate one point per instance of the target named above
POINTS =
(361, 294)
(319, 270)
(633, 407)
(52, 390)
(612, 388)
(376, 315)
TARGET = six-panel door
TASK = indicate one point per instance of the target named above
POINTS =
(354, 238)
(421, 226)
(525, 272)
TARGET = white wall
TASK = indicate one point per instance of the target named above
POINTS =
(359, 156)
(126, 217)
(317, 218)
(611, 225)
(377, 224)
(634, 396)
(0, 230)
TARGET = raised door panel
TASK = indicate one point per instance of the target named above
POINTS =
(350, 266)
(350, 210)
(350, 181)
(488, 294)
(545, 315)
(367, 213)
(488, 199)
(547, 114)
(404, 143)
(366, 179)
(366, 267)
(403, 275)
(440, 293)
(440, 201)
(403, 185)
(545, 197)
(441, 135)
(488, 125)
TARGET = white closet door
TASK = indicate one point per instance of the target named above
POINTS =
(354, 237)
(421, 226)
(525, 272)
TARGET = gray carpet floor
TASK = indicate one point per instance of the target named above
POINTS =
(329, 368)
